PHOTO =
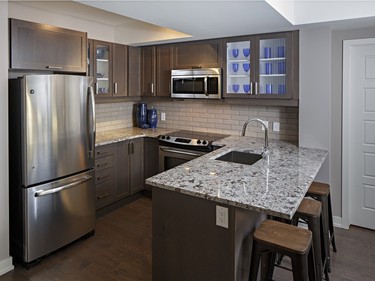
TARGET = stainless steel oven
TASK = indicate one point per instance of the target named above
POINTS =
(182, 146)
(170, 157)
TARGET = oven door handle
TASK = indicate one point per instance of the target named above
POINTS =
(180, 152)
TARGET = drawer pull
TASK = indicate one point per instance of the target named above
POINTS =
(101, 196)
(102, 178)
(102, 164)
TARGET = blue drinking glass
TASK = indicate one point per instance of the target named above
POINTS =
(246, 88)
(267, 52)
(235, 67)
(236, 88)
(246, 52)
(235, 52)
(246, 67)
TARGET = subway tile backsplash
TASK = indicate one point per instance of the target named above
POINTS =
(206, 116)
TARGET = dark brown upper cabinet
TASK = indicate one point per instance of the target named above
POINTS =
(197, 54)
(134, 77)
(102, 68)
(108, 64)
(35, 46)
(156, 64)
(262, 67)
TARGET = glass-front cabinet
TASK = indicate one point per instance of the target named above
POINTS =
(262, 66)
(100, 66)
(240, 67)
(102, 73)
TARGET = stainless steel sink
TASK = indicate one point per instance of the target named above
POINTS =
(239, 157)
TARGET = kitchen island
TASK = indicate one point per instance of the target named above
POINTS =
(205, 211)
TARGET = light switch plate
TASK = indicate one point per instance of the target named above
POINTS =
(222, 216)
(276, 127)
(162, 116)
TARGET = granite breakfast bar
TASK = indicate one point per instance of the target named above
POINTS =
(187, 242)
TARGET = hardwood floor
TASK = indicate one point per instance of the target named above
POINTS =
(121, 250)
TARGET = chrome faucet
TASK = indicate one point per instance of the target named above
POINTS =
(265, 152)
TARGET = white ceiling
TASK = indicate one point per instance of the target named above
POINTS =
(179, 20)
(202, 19)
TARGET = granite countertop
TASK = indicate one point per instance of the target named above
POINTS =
(113, 136)
(274, 186)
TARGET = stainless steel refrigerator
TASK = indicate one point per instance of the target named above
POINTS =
(51, 163)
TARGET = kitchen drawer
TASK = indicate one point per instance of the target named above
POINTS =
(103, 163)
(104, 194)
(103, 175)
(103, 151)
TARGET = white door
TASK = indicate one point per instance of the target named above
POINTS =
(359, 131)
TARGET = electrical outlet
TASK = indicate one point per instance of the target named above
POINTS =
(163, 117)
(266, 124)
(222, 216)
(276, 127)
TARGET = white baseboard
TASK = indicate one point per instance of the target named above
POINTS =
(6, 266)
(338, 222)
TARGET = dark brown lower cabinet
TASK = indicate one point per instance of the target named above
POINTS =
(104, 176)
(119, 171)
(151, 157)
(135, 161)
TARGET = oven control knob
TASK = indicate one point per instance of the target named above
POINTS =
(168, 137)
(162, 137)
(198, 141)
(204, 142)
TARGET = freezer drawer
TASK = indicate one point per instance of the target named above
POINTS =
(57, 213)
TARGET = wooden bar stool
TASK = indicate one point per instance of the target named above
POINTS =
(321, 192)
(273, 237)
(310, 212)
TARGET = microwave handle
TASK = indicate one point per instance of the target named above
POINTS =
(205, 86)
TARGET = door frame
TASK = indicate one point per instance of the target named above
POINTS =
(346, 117)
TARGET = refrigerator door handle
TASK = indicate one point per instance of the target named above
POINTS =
(60, 188)
(91, 120)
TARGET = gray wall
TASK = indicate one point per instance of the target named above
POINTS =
(320, 111)
(5, 260)
(336, 104)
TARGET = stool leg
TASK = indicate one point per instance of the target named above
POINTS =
(255, 259)
(312, 269)
(314, 227)
(324, 250)
(325, 216)
(331, 229)
(299, 267)
(267, 265)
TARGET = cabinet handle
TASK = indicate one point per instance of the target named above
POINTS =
(115, 87)
(102, 178)
(255, 88)
(132, 148)
(101, 196)
(152, 88)
(102, 165)
(53, 67)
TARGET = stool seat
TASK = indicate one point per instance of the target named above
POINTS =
(309, 208)
(284, 236)
(318, 188)
(273, 237)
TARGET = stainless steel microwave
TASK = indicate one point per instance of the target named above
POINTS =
(200, 83)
